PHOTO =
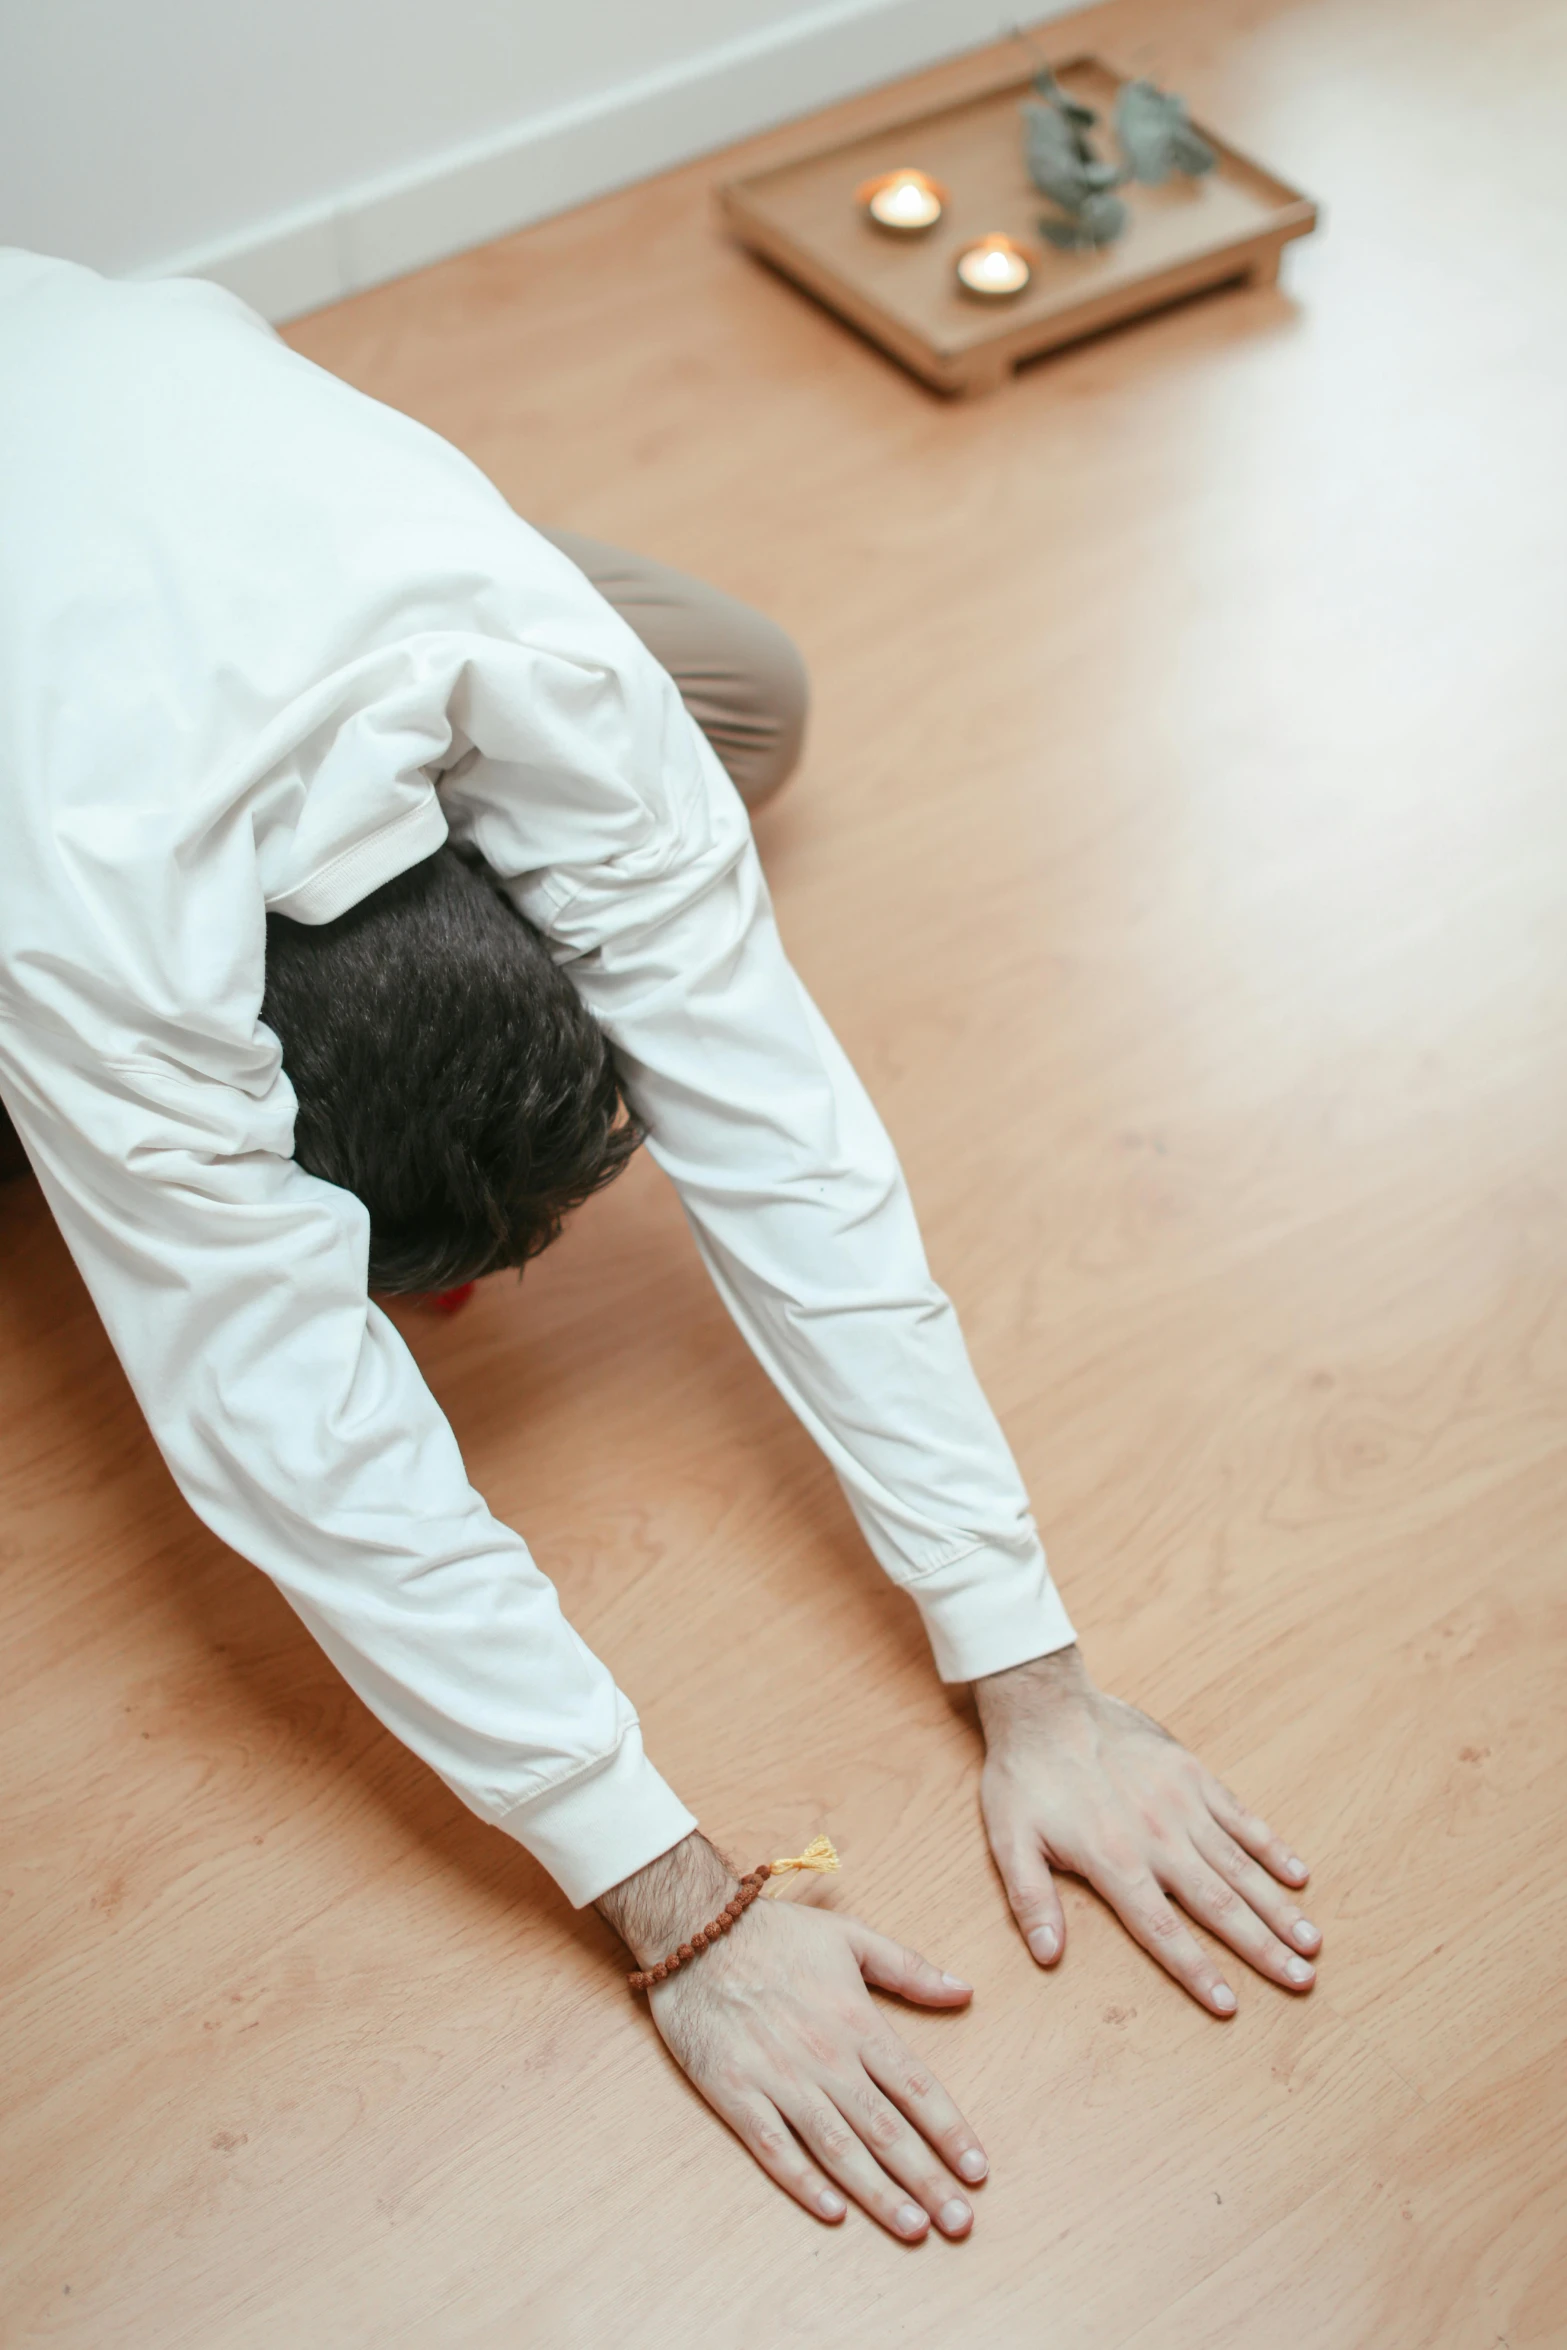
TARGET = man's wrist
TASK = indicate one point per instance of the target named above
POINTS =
(657, 1908)
(1023, 1692)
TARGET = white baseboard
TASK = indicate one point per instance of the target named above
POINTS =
(548, 162)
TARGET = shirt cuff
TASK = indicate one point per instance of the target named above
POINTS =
(989, 1610)
(604, 1824)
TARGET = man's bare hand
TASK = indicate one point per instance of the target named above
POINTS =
(1076, 1780)
(775, 2026)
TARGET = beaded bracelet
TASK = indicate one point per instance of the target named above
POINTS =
(818, 1854)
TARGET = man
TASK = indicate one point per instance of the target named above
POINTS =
(369, 891)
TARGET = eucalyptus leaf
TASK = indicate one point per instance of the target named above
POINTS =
(1193, 155)
(1073, 108)
(1099, 220)
(1102, 218)
(1156, 136)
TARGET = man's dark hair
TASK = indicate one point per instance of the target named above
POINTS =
(447, 1073)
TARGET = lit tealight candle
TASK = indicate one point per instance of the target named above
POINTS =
(994, 268)
(906, 201)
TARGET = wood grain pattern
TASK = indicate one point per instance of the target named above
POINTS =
(1181, 853)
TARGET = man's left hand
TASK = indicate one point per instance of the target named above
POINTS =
(1077, 1780)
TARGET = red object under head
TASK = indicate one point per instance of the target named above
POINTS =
(447, 1301)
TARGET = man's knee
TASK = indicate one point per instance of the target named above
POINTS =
(739, 674)
(760, 740)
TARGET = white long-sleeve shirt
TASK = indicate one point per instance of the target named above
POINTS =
(265, 644)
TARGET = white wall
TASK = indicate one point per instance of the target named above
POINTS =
(300, 149)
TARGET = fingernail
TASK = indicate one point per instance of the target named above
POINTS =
(909, 2220)
(956, 1983)
(953, 2216)
(1298, 1971)
(1224, 1997)
(972, 2165)
(1306, 1934)
(1297, 1868)
(1044, 1943)
(831, 2204)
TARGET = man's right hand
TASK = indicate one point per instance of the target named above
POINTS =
(775, 2026)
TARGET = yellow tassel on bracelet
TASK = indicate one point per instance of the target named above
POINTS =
(818, 1854)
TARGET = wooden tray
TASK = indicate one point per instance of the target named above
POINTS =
(901, 292)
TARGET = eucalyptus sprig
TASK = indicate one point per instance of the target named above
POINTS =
(1063, 166)
(1156, 139)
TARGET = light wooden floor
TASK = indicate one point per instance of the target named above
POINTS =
(1181, 855)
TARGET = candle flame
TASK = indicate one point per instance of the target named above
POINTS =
(906, 199)
(903, 199)
(994, 265)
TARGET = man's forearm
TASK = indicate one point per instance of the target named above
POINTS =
(661, 1906)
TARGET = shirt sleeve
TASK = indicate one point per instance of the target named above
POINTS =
(639, 866)
(233, 1287)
